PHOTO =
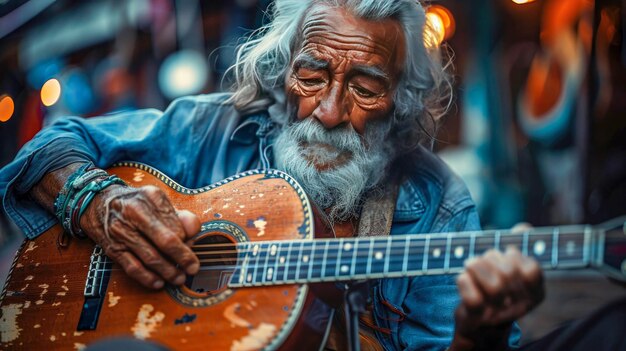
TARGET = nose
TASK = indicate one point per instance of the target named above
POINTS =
(331, 108)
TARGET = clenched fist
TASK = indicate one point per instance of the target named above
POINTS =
(496, 289)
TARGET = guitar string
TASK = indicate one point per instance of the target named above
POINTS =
(402, 237)
(396, 247)
(358, 260)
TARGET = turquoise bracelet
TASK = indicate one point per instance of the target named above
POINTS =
(84, 198)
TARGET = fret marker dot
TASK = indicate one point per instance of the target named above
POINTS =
(539, 248)
(570, 247)
(347, 246)
(344, 268)
(270, 272)
(249, 277)
(255, 249)
(273, 250)
(459, 251)
(436, 252)
(281, 259)
(305, 258)
(378, 255)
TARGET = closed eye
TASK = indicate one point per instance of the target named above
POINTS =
(311, 82)
(363, 92)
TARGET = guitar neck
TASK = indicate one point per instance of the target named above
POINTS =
(322, 260)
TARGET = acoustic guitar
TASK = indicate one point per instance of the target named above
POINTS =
(259, 285)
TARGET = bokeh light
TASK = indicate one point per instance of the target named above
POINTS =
(50, 92)
(520, 2)
(440, 25)
(7, 107)
(183, 73)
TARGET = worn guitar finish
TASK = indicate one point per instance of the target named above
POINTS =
(44, 295)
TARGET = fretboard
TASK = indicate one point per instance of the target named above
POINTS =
(321, 260)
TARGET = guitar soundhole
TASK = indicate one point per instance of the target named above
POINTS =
(218, 256)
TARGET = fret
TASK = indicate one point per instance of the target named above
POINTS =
(425, 253)
(293, 274)
(345, 257)
(387, 255)
(318, 256)
(446, 265)
(415, 253)
(437, 252)
(363, 255)
(587, 245)
(323, 263)
(236, 277)
(304, 267)
(268, 272)
(555, 247)
(511, 239)
(255, 262)
(396, 255)
(540, 248)
(571, 248)
(245, 267)
(282, 256)
(525, 243)
(260, 273)
(484, 242)
(378, 261)
(460, 247)
(312, 260)
(405, 258)
(355, 251)
(496, 244)
(276, 255)
(287, 264)
(472, 244)
(330, 266)
(370, 255)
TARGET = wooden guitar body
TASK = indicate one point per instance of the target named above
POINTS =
(45, 294)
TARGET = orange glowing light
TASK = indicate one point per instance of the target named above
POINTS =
(520, 2)
(50, 92)
(7, 107)
(440, 25)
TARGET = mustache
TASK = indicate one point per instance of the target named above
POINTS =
(311, 131)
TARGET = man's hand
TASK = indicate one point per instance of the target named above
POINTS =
(496, 289)
(139, 229)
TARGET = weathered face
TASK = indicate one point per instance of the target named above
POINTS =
(340, 87)
(346, 70)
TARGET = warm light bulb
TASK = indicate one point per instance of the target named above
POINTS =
(7, 107)
(520, 2)
(50, 92)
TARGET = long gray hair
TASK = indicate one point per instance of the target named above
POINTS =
(423, 95)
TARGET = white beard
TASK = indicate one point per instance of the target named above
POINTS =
(334, 166)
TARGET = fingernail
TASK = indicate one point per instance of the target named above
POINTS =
(193, 268)
(179, 280)
(469, 261)
(158, 284)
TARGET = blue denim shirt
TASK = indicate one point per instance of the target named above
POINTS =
(201, 140)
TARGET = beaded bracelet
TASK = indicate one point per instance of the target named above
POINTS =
(62, 198)
(77, 193)
(83, 198)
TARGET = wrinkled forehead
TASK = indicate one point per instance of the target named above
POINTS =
(338, 28)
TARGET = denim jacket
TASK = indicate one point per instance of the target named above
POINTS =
(201, 140)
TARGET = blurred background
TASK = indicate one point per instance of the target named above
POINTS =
(537, 131)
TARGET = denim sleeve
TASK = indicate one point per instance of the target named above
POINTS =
(101, 140)
(432, 300)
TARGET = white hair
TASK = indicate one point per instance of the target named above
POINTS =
(423, 95)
